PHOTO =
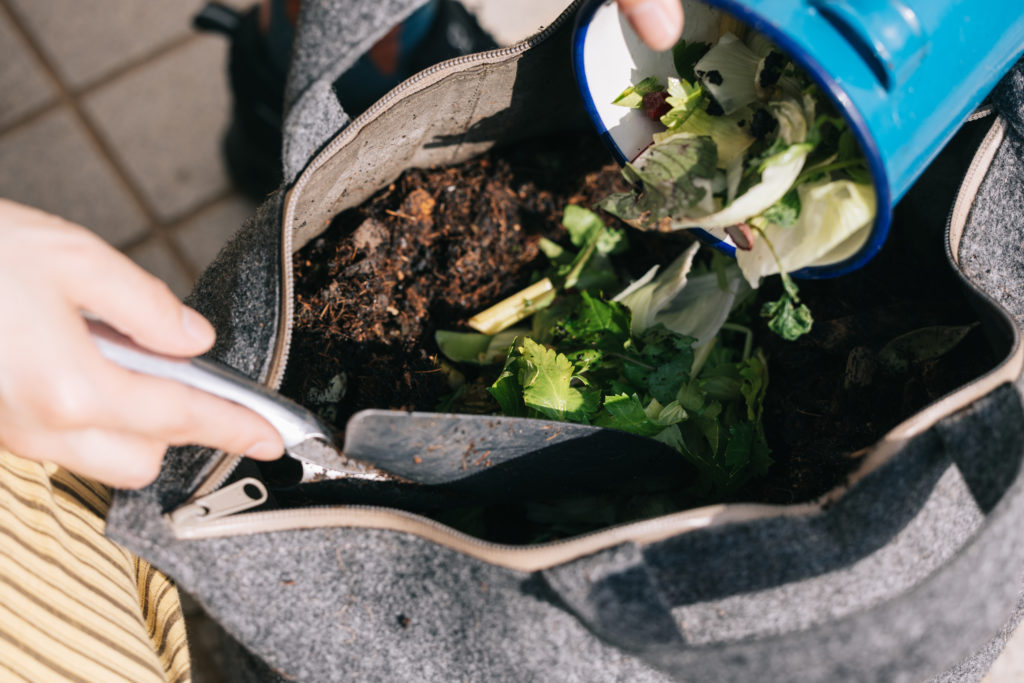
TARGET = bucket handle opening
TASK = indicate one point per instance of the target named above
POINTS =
(885, 33)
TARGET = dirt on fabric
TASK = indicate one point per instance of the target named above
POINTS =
(439, 245)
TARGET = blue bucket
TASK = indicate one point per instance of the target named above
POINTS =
(905, 74)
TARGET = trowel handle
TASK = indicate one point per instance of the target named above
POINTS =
(294, 423)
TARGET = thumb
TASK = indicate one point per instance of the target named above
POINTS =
(659, 23)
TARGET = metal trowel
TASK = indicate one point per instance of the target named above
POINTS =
(493, 453)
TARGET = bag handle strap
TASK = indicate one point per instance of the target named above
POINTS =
(613, 593)
(616, 593)
(330, 37)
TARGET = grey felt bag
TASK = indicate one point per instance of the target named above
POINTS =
(909, 572)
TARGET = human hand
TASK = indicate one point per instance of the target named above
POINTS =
(659, 23)
(60, 400)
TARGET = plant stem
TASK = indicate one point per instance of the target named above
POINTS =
(508, 312)
(573, 276)
(748, 343)
(701, 355)
(828, 168)
(634, 361)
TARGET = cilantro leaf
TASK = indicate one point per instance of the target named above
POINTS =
(506, 390)
(594, 323)
(627, 414)
(666, 381)
(585, 226)
(754, 372)
(746, 454)
(787, 317)
(590, 266)
(546, 377)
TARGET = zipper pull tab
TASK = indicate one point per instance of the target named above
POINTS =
(241, 495)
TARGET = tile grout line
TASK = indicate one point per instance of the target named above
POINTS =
(66, 97)
(84, 90)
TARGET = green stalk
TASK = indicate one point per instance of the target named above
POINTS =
(573, 276)
(827, 168)
(748, 343)
(700, 357)
(508, 312)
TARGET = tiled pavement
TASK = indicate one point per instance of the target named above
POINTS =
(111, 114)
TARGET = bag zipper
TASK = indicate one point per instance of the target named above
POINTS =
(227, 462)
(216, 511)
(222, 513)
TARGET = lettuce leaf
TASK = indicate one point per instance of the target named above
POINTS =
(780, 171)
(685, 100)
(728, 72)
(830, 214)
(729, 133)
(664, 176)
(633, 96)
(646, 301)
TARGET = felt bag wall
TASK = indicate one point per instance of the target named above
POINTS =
(909, 572)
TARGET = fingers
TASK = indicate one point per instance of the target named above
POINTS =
(94, 392)
(60, 400)
(179, 415)
(659, 23)
(95, 277)
(138, 304)
(120, 460)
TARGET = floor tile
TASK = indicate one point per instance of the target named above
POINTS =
(51, 163)
(163, 122)
(23, 80)
(156, 257)
(201, 238)
(86, 41)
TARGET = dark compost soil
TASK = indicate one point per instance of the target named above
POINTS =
(439, 245)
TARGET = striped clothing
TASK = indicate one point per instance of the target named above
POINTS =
(74, 606)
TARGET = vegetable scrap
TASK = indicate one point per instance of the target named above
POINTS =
(752, 151)
(660, 358)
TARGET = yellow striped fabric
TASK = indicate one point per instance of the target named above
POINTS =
(74, 606)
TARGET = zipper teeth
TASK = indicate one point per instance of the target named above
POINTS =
(519, 557)
(317, 513)
(980, 164)
(223, 469)
(284, 347)
(981, 112)
(539, 556)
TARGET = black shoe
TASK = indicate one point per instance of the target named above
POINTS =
(252, 144)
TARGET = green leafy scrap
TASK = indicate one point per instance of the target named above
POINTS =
(591, 369)
(507, 390)
(539, 379)
(590, 267)
(625, 412)
(633, 96)
(594, 323)
(786, 211)
(922, 345)
(685, 55)
(664, 176)
(685, 98)
(754, 372)
(786, 316)
(586, 227)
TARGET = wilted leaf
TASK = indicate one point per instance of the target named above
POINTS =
(925, 344)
